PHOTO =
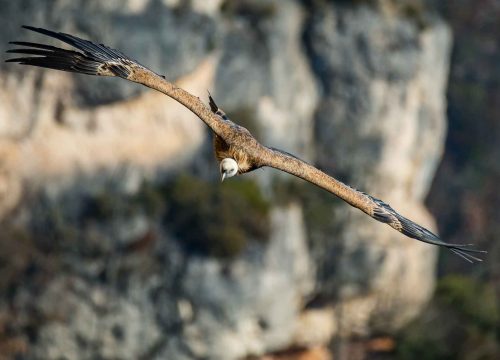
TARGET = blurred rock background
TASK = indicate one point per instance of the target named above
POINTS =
(118, 241)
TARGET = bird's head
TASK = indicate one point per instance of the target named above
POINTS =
(228, 168)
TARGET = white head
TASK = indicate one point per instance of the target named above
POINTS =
(228, 168)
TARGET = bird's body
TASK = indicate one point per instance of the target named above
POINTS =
(223, 150)
(237, 151)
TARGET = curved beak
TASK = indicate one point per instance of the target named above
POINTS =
(223, 176)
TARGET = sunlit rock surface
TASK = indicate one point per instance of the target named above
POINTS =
(380, 125)
(357, 91)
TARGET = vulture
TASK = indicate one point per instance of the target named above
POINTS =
(236, 150)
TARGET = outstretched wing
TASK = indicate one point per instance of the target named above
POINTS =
(98, 59)
(374, 207)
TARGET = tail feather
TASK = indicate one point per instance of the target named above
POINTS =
(213, 105)
(215, 109)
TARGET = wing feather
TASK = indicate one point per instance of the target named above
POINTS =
(370, 205)
(98, 59)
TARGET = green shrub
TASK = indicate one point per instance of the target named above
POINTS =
(474, 302)
(208, 218)
(461, 322)
(216, 219)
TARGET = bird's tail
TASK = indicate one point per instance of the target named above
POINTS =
(215, 109)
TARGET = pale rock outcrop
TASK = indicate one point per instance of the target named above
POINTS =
(131, 132)
(357, 92)
(380, 126)
(250, 306)
(98, 319)
(264, 73)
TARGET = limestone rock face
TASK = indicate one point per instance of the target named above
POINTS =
(264, 74)
(383, 109)
(95, 268)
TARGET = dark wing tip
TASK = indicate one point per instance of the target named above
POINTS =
(91, 59)
(462, 250)
(385, 213)
(40, 30)
(465, 253)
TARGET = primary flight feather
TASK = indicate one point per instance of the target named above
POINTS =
(237, 151)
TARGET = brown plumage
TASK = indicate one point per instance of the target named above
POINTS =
(231, 141)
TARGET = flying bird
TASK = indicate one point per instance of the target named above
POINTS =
(236, 150)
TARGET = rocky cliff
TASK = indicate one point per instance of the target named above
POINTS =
(119, 241)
